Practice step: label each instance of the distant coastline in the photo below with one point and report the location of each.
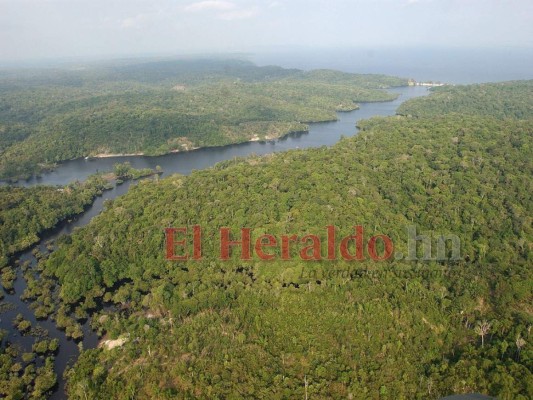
(412, 82)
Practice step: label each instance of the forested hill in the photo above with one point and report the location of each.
(26, 212)
(158, 107)
(395, 329)
(501, 100)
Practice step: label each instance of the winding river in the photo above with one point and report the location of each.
(320, 134)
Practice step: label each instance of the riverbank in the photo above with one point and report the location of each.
(319, 134)
(76, 197)
(254, 138)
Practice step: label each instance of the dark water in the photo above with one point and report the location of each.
(68, 350)
(327, 133)
(320, 134)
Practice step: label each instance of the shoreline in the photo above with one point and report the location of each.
(111, 155)
(254, 139)
(175, 151)
(91, 339)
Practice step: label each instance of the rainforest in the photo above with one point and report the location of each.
(271, 329)
(288, 245)
(160, 107)
(455, 164)
(266, 200)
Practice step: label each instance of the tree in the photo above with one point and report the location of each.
(520, 342)
(482, 328)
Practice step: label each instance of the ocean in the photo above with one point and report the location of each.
(448, 65)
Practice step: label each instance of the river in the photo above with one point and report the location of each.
(320, 134)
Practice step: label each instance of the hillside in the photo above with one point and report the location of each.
(164, 106)
(500, 100)
(330, 328)
(27, 212)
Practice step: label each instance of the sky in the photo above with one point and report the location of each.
(47, 29)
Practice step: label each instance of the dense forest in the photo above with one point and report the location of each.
(396, 329)
(500, 100)
(26, 212)
(159, 107)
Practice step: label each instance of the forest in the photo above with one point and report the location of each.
(153, 108)
(500, 100)
(395, 329)
(27, 212)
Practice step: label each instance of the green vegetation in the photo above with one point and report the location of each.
(124, 171)
(160, 107)
(46, 346)
(500, 100)
(27, 212)
(332, 329)
(7, 278)
(21, 324)
(27, 375)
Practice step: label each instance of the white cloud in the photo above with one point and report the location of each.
(130, 22)
(210, 5)
(238, 14)
(223, 10)
(413, 2)
(142, 20)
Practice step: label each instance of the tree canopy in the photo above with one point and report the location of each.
(334, 329)
(47, 116)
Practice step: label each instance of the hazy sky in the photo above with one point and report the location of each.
(34, 29)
